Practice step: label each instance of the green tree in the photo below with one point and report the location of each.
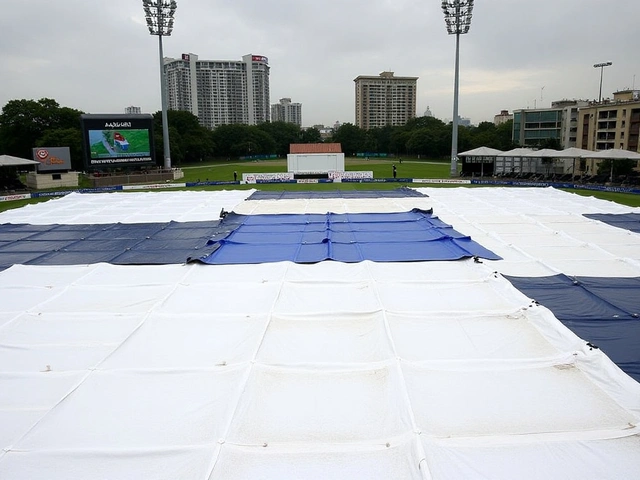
(224, 136)
(381, 139)
(24, 122)
(551, 143)
(283, 134)
(239, 140)
(504, 137)
(188, 140)
(620, 167)
(65, 137)
(311, 135)
(351, 137)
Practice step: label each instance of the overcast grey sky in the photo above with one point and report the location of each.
(97, 55)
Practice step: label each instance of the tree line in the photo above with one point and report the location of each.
(25, 124)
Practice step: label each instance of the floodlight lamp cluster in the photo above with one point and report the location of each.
(159, 15)
(457, 15)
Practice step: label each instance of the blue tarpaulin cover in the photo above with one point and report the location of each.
(302, 238)
(119, 243)
(602, 311)
(308, 238)
(628, 221)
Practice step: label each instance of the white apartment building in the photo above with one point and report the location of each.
(132, 110)
(288, 112)
(385, 100)
(219, 92)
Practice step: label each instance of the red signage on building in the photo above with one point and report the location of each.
(259, 58)
(185, 57)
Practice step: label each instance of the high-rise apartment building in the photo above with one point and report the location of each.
(219, 92)
(288, 112)
(385, 100)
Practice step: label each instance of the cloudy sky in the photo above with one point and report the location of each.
(97, 55)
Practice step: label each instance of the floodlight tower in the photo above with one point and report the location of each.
(601, 67)
(159, 15)
(457, 17)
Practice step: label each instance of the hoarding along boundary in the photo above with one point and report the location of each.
(441, 181)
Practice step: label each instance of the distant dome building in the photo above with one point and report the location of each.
(427, 112)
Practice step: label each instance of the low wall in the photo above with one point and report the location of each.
(47, 181)
(136, 178)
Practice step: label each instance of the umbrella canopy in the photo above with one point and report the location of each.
(613, 154)
(481, 152)
(543, 153)
(516, 152)
(10, 161)
(573, 152)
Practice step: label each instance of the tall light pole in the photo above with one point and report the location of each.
(457, 17)
(159, 15)
(601, 67)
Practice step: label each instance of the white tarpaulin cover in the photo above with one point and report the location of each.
(418, 370)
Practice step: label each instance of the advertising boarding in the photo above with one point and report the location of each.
(52, 159)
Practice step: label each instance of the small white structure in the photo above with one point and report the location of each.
(42, 181)
(315, 158)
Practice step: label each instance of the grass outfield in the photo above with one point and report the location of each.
(381, 168)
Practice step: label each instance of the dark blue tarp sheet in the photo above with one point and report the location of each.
(310, 238)
(628, 221)
(122, 244)
(284, 195)
(602, 311)
(392, 237)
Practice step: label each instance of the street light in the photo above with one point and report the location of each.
(457, 17)
(601, 67)
(159, 16)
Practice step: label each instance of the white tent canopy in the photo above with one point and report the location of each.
(516, 152)
(480, 152)
(11, 161)
(543, 153)
(572, 152)
(613, 154)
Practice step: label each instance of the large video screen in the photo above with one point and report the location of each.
(115, 141)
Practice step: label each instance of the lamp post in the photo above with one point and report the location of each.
(601, 67)
(159, 15)
(457, 17)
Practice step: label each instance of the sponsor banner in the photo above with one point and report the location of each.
(275, 181)
(259, 157)
(154, 186)
(62, 193)
(267, 177)
(334, 175)
(19, 196)
(372, 155)
(51, 194)
(576, 186)
(307, 180)
(204, 184)
(365, 180)
(442, 180)
(112, 188)
(52, 158)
